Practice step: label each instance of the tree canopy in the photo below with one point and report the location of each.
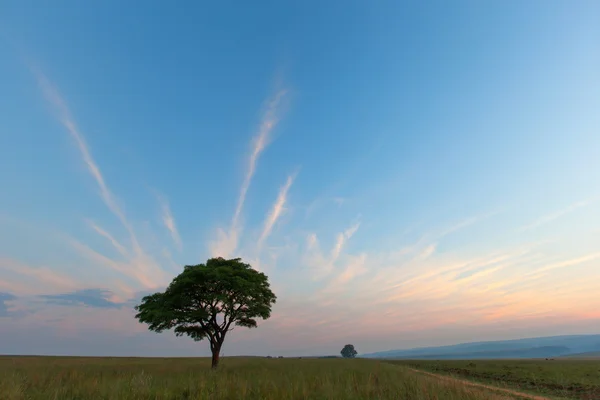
(348, 351)
(208, 300)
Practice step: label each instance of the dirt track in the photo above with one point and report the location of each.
(481, 385)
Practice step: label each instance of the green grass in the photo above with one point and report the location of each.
(70, 378)
(563, 378)
(591, 355)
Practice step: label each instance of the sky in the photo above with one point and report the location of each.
(406, 173)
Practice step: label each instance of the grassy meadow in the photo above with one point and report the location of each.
(72, 378)
(558, 378)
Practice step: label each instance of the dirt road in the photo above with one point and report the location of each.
(481, 385)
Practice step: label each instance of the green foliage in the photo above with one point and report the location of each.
(348, 351)
(208, 300)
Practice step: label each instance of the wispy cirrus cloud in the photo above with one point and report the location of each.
(342, 238)
(141, 265)
(64, 114)
(564, 264)
(416, 294)
(115, 243)
(323, 201)
(545, 219)
(260, 142)
(30, 280)
(277, 209)
(169, 222)
(412, 286)
(134, 267)
(227, 241)
(354, 267)
(320, 263)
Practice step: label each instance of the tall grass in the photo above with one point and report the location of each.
(57, 378)
(563, 378)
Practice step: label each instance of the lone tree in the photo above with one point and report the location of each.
(208, 300)
(348, 351)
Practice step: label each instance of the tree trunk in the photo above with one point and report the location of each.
(215, 356)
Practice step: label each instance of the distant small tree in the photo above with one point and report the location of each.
(207, 300)
(348, 351)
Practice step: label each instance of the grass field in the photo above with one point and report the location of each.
(561, 378)
(64, 378)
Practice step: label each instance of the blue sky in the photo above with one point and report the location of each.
(428, 170)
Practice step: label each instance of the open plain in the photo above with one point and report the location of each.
(83, 378)
(563, 378)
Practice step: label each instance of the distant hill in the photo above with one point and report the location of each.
(540, 347)
(592, 354)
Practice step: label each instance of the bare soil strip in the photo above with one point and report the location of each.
(481, 385)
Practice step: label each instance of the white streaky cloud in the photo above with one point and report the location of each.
(427, 244)
(399, 269)
(169, 222)
(337, 248)
(421, 279)
(260, 142)
(53, 96)
(118, 246)
(277, 210)
(354, 268)
(226, 243)
(140, 260)
(320, 264)
(341, 240)
(464, 224)
(480, 274)
(425, 289)
(312, 206)
(321, 201)
(311, 241)
(555, 215)
(92, 255)
(566, 263)
(426, 253)
(137, 265)
(46, 278)
(141, 269)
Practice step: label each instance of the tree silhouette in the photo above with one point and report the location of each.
(208, 300)
(348, 351)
